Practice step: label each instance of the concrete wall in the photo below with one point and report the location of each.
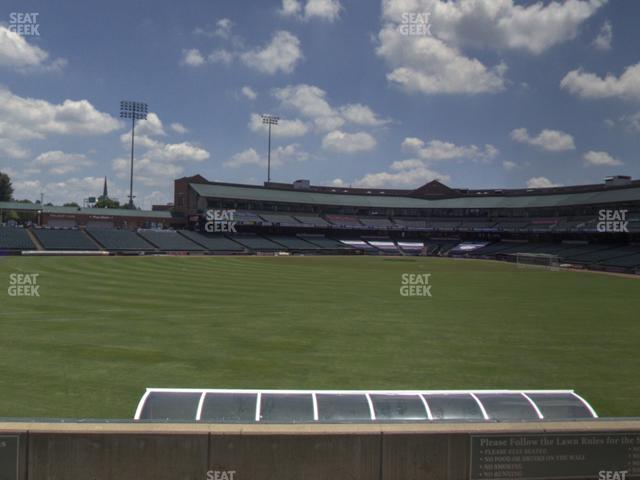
(134, 451)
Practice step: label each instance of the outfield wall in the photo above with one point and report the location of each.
(100, 451)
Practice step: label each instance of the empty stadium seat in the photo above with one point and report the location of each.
(64, 240)
(376, 222)
(120, 240)
(312, 220)
(256, 242)
(293, 243)
(324, 242)
(15, 238)
(343, 220)
(279, 219)
(169, 241)
(213, 243)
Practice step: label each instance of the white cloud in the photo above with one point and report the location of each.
(427, 65)
(151, 126)
(589, 85)
(541, 182)
(69, 190)
(244, 158)
(550, 140)
(409, 173)
(282, 54)
(23, 118)
(328, 10)
(159, 162)
(290, 8)
(11, 149)
(311, 102)
(600, 159)
(249, 92)
(436, 63)
(179, 128)
(499, 24)
(324, 9)
(509, 165)
(57, 162)
(223, 28)
(342, 142)
(361, 115)
(604, 38)
(630, 122)
(221, 56)
(18, 54)
(192, 57)
(285, 128)
(280, 156)
(436, 150)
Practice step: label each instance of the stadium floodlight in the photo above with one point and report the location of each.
(134, 111)
(269, 120)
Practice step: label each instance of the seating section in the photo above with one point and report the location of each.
(120, 240)
(14, 238)
(445, 225)
(407, 223)
(343, 220)
(606, 253)
(440, 246)
(630, 261)
(64, 240)
(279, 219)
(169, 241)
(247, 218)
(293, 243)
(213, 243)
(256, 242)
(324, 242)
(478, 225)
(312, 220)
(376, 222)
(386, 245)
(358, 244)
(409, 246)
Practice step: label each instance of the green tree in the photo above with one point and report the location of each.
(107, 203)
(6, 189)
(71, 204)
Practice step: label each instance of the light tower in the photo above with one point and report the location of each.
(134, 111)
(269, 120)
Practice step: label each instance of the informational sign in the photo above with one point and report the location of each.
(9, 447)
(614, 456)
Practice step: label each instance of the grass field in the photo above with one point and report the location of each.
(103, 329)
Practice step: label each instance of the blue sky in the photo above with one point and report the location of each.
(480, 93)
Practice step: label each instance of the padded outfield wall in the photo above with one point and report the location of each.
(452, 451)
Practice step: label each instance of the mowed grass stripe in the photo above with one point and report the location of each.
(106, 328)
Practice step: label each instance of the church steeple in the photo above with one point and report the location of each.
(105, 193)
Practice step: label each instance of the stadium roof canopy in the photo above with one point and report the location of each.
(110, 212)
(478, 199)
(357, 406)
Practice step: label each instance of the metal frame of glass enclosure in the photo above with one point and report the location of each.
(359, 406)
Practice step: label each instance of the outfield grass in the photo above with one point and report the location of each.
(103, 329)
